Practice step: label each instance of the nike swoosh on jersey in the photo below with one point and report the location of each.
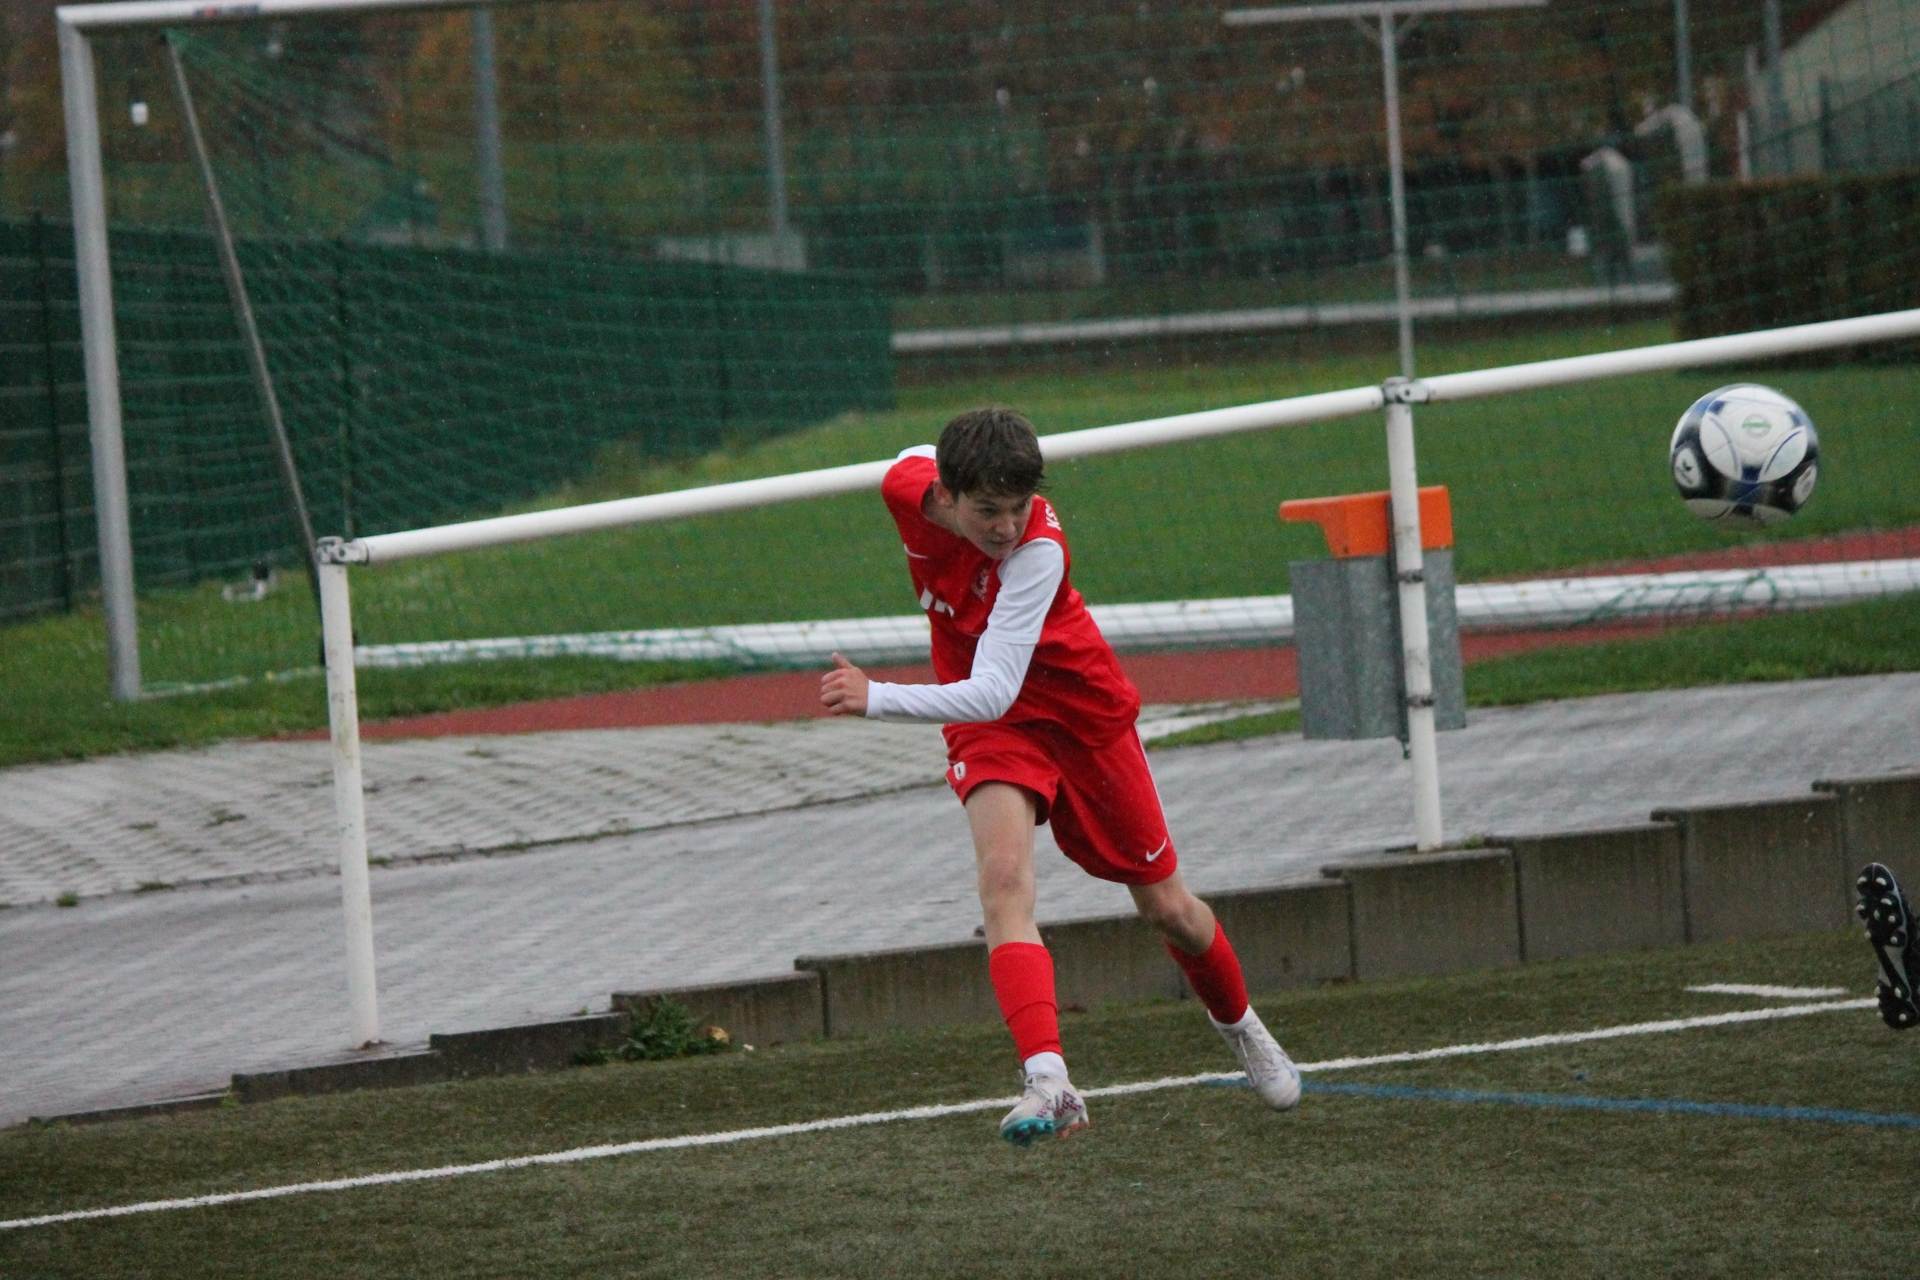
(1157, 852)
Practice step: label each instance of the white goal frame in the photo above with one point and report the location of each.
(1396, 397)
(86, 179)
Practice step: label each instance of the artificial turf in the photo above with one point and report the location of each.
(1183, 1182)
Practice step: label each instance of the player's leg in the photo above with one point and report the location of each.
(1001, 816)
(1107, 817)
(1895, 936)
(1198, 944)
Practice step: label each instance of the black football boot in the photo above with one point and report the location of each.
(1896, 944)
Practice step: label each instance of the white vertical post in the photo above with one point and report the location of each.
(1409, 562)
(770, 110)
(490, 166)
(100, 353)
(1397, 184)
(349, 802)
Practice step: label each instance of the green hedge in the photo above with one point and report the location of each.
(1758, 255)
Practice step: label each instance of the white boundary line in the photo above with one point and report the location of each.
(934, 1112)
(1766, 992)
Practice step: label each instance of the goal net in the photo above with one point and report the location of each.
(547, 252)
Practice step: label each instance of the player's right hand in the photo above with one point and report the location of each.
(843, 690)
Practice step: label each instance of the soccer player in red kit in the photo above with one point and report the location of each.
(1040, 727)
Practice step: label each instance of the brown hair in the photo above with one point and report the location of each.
(990, 451)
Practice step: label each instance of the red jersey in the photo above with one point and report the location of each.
(1074, 680)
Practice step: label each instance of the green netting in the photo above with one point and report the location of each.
(418, 386)
(955, 173)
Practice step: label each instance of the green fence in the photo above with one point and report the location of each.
(418, 386)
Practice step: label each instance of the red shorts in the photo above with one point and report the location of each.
(1102, 802)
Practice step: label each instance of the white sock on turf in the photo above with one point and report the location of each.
(1046, 1064)
(1247, 1019)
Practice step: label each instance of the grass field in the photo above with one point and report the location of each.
(1186, 1181)
(52, 721)
(1540, 482)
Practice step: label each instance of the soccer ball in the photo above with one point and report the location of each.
(1745, 457)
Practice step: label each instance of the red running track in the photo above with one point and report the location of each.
(1215, 676)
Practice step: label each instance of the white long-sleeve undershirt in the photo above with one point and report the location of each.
(1029, 580)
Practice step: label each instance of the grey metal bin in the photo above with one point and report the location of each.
(1346, 620)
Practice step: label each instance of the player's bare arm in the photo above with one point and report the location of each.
(843, 690)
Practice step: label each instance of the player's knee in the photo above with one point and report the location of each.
(1177, 914)
(1163, 914)
(1003, 878)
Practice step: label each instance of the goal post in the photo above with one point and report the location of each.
(80, 101)
(1397, 397)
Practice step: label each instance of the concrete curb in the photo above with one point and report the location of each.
(1586, 893)
(1762, 869)
(1759, 869)
(1880, 822)
(1425, 914)
(905, 989)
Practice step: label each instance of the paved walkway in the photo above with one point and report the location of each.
(141, 996)
(264, 810)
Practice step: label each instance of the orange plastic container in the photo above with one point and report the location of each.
(1361, 524)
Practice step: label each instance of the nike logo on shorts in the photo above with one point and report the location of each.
(1157, 852)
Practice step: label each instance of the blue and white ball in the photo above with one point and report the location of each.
(1745, 457)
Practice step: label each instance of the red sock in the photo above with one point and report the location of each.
(1215, 977)
(1022, 974)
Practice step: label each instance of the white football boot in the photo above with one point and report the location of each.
(1269, 1070)
(1050, 1108)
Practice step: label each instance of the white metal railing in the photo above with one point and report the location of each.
(1397, 396)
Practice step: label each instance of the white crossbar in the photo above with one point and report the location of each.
(1298, 410)
(1762, 345)
(708, 500)
(185, 13)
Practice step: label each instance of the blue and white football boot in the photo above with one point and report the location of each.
(1896, 944)
(1049, 1108)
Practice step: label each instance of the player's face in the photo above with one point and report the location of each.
(992, 522)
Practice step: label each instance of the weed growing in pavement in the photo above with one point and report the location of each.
(668, 1031)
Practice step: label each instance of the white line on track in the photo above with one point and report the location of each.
(934, 1112)
(1766, 992)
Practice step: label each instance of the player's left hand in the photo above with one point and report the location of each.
(843, 690)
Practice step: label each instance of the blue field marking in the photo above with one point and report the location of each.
(1587, 1102)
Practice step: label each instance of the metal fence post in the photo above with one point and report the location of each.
(489, 165)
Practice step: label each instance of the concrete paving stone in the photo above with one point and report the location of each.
(139, 996)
